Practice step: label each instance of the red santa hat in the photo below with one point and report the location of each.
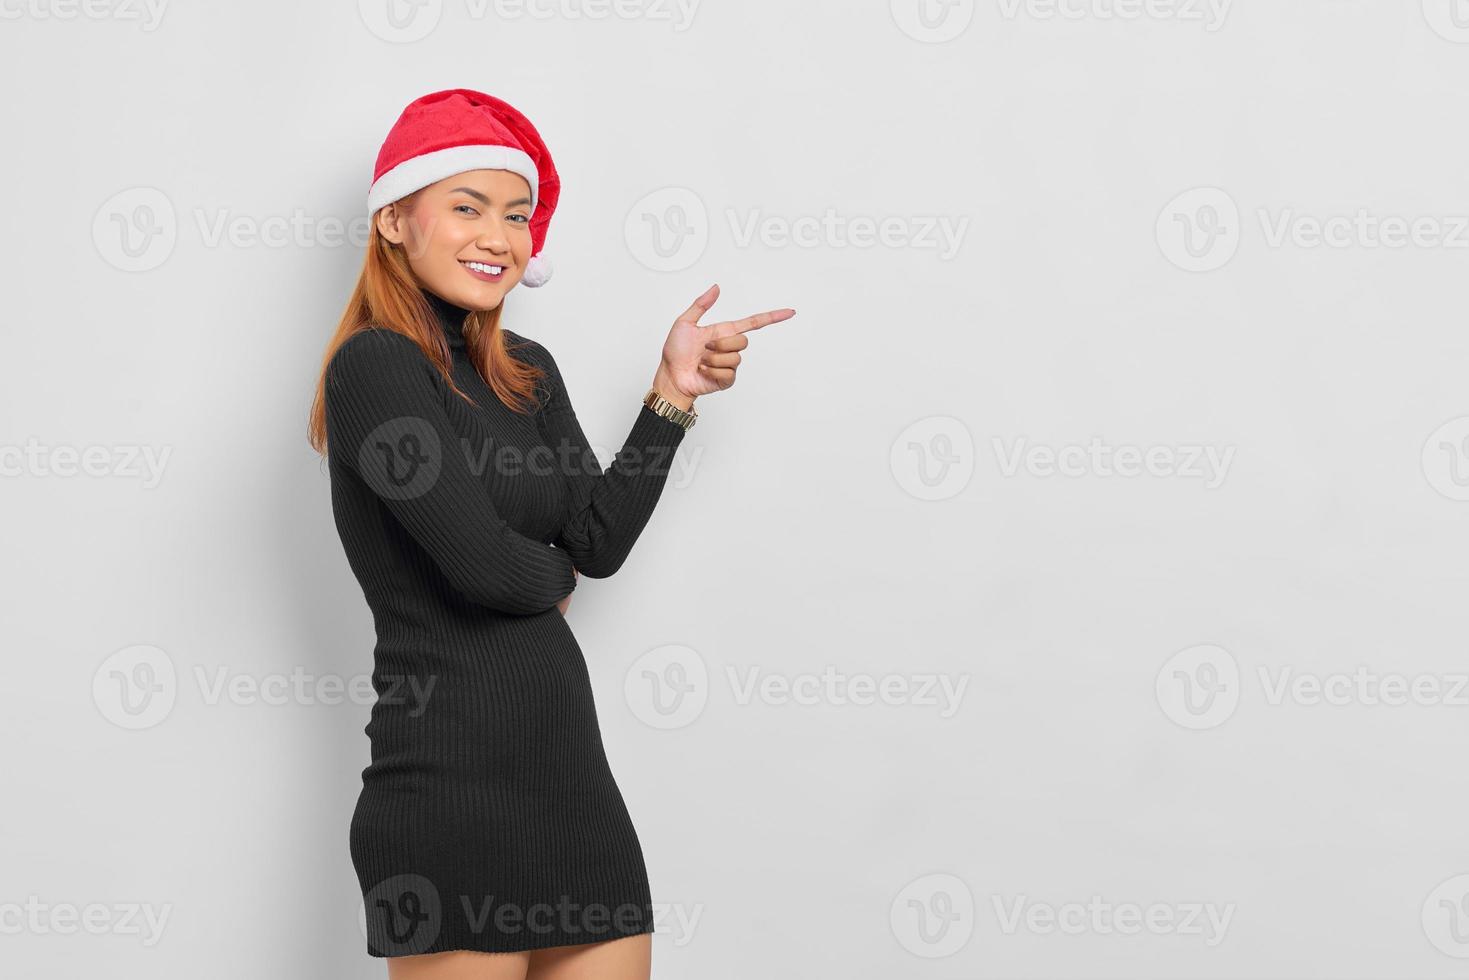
(449, 132)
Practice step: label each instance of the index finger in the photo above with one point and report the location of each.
(761, 319)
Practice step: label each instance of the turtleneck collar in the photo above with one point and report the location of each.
(450, 317)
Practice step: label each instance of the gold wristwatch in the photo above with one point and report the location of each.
(669, 410)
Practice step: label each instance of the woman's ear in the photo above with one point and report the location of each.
(390, 223)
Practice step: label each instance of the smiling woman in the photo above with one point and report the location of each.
(451, 225)
(490, 838)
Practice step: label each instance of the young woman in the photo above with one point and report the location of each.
(490, 839)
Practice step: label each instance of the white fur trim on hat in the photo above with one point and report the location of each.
(537, 271)
(429, 168)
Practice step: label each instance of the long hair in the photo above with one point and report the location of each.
(388, 295)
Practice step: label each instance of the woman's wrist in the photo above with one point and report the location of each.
(665, 387)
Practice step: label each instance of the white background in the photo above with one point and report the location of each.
(1134, 188)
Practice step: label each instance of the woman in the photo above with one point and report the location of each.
(490, 839)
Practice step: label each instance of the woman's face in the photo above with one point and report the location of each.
(480, 217)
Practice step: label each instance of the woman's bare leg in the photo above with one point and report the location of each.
(459, 964)
(628, 958)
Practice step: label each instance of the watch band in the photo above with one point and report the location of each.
(668, 410)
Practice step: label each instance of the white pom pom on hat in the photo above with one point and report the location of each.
(446, 133)
(537, 271)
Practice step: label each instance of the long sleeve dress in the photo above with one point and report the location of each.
(489, 818)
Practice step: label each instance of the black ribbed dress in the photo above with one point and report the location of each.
(488, 818)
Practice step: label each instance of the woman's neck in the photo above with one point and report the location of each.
(450, 317)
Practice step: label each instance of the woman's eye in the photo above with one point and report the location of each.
(520, 217)
(466, 207)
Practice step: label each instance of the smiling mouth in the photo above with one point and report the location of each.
(484, 270)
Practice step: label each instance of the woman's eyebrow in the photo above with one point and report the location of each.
(485, 200)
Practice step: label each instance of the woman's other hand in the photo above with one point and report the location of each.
(566, 602)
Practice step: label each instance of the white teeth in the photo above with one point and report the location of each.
(493, 270)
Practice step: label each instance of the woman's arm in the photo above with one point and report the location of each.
(387, 423)
(606, 509)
